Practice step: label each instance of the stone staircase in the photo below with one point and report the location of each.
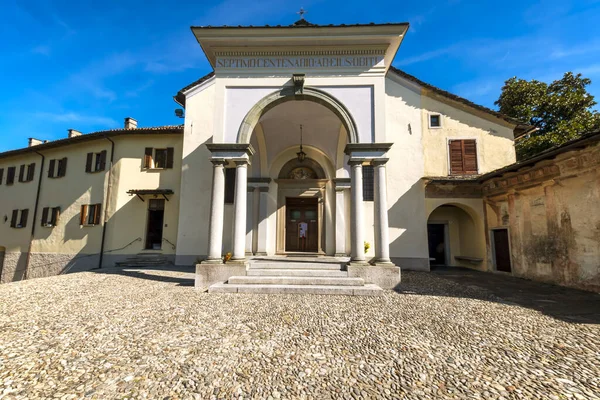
(289, 276)
(145, 260)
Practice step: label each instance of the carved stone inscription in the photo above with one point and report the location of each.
(299, 62)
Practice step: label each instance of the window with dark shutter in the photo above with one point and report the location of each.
(45, 211)
(30, 172)
(10, 175)
(463, 157)
(13, 219)
(62, 167)
(23, 221)
(51, 166)
(229, 185)
(170, 155)
(160, 158)
(88, 162)
(368, 173)
(54, 216)
(22, 173)
(102, 166)
(1, 175)
(148, 157)
(83, 215)
(97, 208)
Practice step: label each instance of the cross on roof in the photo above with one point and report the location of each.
(302, 12)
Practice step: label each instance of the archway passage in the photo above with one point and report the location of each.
(455, 237)
(288, 94)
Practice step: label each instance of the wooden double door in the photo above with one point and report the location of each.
(302, 225)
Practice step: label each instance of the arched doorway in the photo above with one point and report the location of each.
(455, 237)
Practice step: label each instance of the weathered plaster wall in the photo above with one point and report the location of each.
(552, 212)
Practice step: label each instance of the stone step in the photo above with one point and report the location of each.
(366, 290)
(295, 265)
(295, 280)
(297, 272)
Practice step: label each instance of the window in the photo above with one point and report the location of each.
(90, 214)
(1, 175)
(10, 176)
(19, 218)
(158, 158)
(368, 184)
(57, 168)
(95, 162)
(463, 157)
(229, 185)
(26, 172)
(50, 216)
(435, 120)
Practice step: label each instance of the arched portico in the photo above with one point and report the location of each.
(289, 94)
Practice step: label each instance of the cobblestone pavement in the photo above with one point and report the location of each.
(149, 334)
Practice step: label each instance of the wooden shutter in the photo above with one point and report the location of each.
(45, 215)
(55, 215)
(30, 172)
(148, 157)
(88, 162)
(102, 160)
(97, 209)
(24, 215)
(83, 214)
(1, 175)
(13, 219)
(170, 153)
(470, 156)
(21, 173)
(51, 169)
(456, 159)
(62, 167)
(10, 176)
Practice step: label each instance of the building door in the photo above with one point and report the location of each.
(436, 236)
(154, 228)
(501, 250)
(302, 225)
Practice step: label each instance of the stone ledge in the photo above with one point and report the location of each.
(209, 274)
(384, 276)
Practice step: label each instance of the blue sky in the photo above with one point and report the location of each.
(87, 65)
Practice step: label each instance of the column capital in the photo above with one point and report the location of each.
(263, 189)
(377, 162)
(251, 189)
(218, 161)
(354, 163)
(240, 163)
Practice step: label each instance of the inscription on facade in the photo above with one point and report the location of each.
(299, 62)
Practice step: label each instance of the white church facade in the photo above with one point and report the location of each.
(304, 140)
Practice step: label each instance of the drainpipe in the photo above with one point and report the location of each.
(107, 196)
(34, 222)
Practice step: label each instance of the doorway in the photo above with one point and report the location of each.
(302, 225)
(438, 243)
(501, 250)
(154, 227)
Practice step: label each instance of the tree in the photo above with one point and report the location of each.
(561, 110)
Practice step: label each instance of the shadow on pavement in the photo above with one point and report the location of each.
(182, 275)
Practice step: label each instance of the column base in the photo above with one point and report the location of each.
(241, 261)
(260, 253)
(212, 262)
(354, 263)
(340, 255)
(388, 263)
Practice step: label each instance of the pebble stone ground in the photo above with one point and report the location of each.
(149, 334)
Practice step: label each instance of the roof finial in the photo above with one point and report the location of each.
(302, 12)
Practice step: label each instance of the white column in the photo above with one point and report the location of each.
(340, 222)
(382, 234)
(262, 221)
(249, 219)
(217, 206)
(356, 214)
(239, 211)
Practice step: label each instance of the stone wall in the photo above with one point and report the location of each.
(44, 264)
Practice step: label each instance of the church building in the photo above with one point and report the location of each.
(304, 143)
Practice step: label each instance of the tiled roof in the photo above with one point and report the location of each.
(180, 97)
(155, 130)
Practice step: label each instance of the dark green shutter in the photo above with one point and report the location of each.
(13, 220)
(45, 215)
(170, 153)
(62, 167)
(102, 160)
(1, 175)
(51, 169)
(21, 173)
(24, 215)
(88, 162)
(30, 172)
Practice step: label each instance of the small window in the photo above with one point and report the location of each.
(10, 175)
(368, 183)
(26, 172)
(50, 216)
(435, 120)
(90, 214)
(19, 218)
(95, 162)
(57, 168)
(229, 185)
(158, 158)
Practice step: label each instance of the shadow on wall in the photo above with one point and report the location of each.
(565, 304)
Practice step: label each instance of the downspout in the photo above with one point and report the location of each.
(107, 196)
(34, 222)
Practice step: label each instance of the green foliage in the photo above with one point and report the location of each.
(561, 110)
